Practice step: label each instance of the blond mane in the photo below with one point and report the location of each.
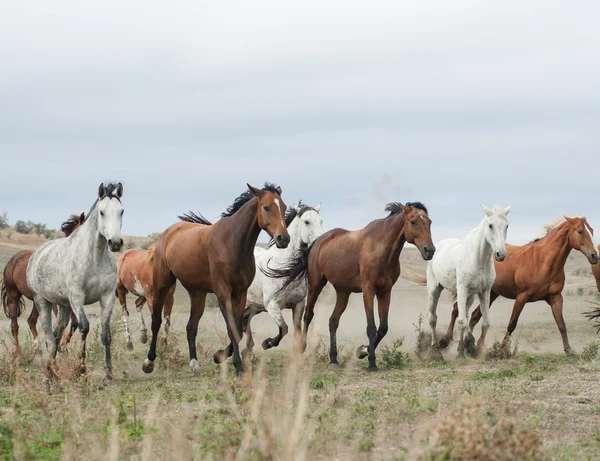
(152, 248)
(559, 222)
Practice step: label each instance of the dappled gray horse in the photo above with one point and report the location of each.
(79, 270)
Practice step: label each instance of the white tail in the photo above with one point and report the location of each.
(413, 276)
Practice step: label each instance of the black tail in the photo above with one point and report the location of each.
(4, 300)
(296, 269)
(594, 314)
(195, 218)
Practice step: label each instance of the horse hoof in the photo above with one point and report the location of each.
(109, 379)
(266, 344)
(362, 352)
(129, 346)
(443, 344)
(148, 366)
(333, 365)
(144, 337)
(195, 366)
(372, 368)
(220, 356)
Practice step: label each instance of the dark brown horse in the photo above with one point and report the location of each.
(536, 272)
(217, 259)
(14, 287)
(135, 269)
(366, 261)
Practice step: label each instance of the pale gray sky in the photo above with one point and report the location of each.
(352, 104)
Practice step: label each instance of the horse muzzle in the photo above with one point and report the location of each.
(282, 241)
(115, 245)
(593, 258)
(427, 252)
(500, 256)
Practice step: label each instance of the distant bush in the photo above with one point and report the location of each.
(30, 227)
(23, 227)
(3, 220)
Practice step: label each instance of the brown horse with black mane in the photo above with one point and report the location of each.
(365, 261)
(536, 272)
(14, 287)
(219, 259)
(135, 268)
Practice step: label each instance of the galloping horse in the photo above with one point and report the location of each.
(217, 259)
(466, 269)
(304, 226)
(536, 272)
(14, 287)
(78, 271)
(135, 269)
(365, 261)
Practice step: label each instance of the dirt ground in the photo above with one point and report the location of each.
(347, 413)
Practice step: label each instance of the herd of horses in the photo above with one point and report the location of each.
(66, 274)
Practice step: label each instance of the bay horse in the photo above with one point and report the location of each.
(304, 225)
(78, 271)
(135, 268)
(466, 269)
(217, 259)
(365, 261)
(536, 272)
(14, 287)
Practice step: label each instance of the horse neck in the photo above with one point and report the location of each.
(394, 235)
(295, 239)
(557, 246)
(95, 243)
(480, 248)
(246, 229)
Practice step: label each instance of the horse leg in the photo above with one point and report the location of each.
(76, 300)
(66, 339)
(556, 303)
(14, 299)
(363, 351)
(476, 315)
(249, 313)
(121, 293)
(341, 302)
(161, 289)
(314, 290)
(484, 308)
(383, 309)
(274, 310)
(45, 311)
(61, 324)
(232, 308)
(298, 311)
(169, 301)
(32, 322)
(514, 318)
(139, 304)
(464, 302)
(434, 290)
(447, 339)
(197, 303)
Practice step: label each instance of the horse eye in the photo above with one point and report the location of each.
(413, 222)
(580, 232)
(267, 208)
(307, 222)
(491, 227)
(102, 213)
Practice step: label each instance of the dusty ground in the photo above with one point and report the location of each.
(349, 414)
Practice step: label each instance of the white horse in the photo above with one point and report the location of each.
(79, 270)
(466, 268)
(304, 226)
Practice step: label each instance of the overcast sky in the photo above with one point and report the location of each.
(352, 104)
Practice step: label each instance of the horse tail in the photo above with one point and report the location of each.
(594, 315)
(8, 279)
(414, 276)
(295, 269)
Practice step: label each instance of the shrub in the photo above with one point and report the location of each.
(392, 356)
(590, 352)
(3, 220)
(23, 227)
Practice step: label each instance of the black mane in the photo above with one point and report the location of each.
(293, 212)
(195, 218)
(111, 192)
(396, 207)
(244, 198)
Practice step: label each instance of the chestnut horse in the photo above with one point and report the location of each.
(14, 287)
(217, 259)
(135, 276)
(536, 272)
(596, 272)
(365, 261)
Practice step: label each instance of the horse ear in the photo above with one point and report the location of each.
(405, 209)
(120, 190)
(507, 209)
(256, 192)
(81, 218)
(570, 220)
(486, 210)
(278, 190)
(318, 207)
(101, 191)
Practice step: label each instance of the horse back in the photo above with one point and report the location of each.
(15, 273)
